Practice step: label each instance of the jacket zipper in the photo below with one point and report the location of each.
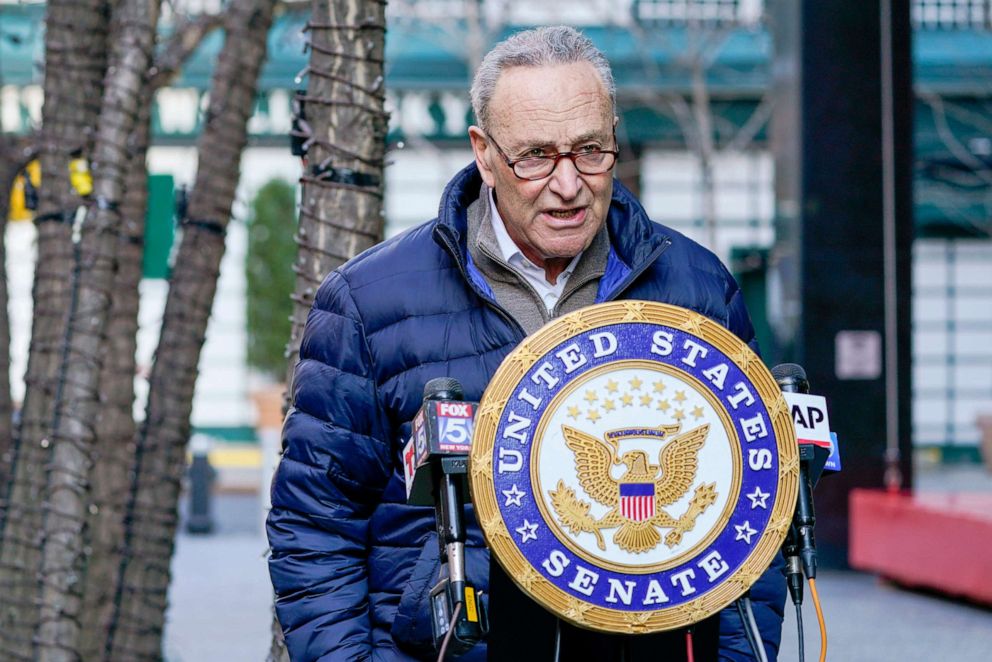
(632, 276)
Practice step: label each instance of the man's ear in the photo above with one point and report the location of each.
(482, 151)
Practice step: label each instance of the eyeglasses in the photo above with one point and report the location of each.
(588, 162)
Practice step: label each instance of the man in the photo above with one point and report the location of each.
(535, 228)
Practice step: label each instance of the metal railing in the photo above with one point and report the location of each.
(952, 14)
(709, 12)
(926, 14)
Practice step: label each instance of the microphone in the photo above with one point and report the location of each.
(800, 543)
(435, 464)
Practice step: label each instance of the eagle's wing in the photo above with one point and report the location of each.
(593, 459)
(679, 460)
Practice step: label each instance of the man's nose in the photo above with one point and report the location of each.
(565, 180)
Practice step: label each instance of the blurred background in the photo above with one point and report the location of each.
(838, 158)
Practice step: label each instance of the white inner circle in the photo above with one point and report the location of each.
(631, 398)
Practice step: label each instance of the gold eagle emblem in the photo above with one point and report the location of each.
(656, 487)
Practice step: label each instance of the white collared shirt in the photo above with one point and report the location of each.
(533, 274)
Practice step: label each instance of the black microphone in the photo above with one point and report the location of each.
(800, 542)
(435, 463)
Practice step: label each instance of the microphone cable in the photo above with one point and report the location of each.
(759, 647)
(747, 630)
(799, 627)
(819, 618)
(451, 630)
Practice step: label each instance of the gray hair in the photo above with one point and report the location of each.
(552, 45)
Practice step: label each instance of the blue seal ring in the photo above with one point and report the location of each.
(634, 467)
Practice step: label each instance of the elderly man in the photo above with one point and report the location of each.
(535, 228)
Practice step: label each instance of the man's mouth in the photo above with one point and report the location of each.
(565, 214)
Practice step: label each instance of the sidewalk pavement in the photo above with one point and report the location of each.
(220, 598)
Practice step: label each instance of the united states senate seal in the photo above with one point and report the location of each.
(634, 467)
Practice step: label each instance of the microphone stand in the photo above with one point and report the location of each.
(458, 617)
(800, 543)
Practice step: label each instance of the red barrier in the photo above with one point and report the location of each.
(938, 541)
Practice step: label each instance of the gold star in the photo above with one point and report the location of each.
(698, 615)
(627, 399)
(609, 405)
(678, 415)
(577, 610)
(659, 386)
(492, 526)
(634, 311)
(612, 386)
(663, 405)
(573, 412)
(483, 466)
(746, 579)
(697, 412)
(522, 358)
(680, 396)
(780, 525)
(576, 325)
(491, 408)
(591, 397)
(635, 384)
(779, 408)
(593, 415)
(743, 358)
(645, 400)
(636, 621)
(529, 577)
(789, 466)
(692, 325)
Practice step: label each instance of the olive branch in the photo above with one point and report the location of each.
(574, 514)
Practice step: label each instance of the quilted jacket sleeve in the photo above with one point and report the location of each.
(768, 593)
(334, 466)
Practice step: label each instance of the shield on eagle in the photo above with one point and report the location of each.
(637, 501)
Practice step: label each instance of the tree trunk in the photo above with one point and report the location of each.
(136, 632)
(75, 58)
(113, 450)
(67, 491)
(341, 210)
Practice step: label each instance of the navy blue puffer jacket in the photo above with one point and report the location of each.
(351, 563)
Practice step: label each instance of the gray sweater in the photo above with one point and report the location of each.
(512, 291)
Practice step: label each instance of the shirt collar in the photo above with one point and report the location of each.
(511, 252)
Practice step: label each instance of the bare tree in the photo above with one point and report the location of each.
(341, 209)
(75, 57)
(151, 510)
(88, 364)
(693, 111)
(77, 407)
(114, 448)
(113, 445)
